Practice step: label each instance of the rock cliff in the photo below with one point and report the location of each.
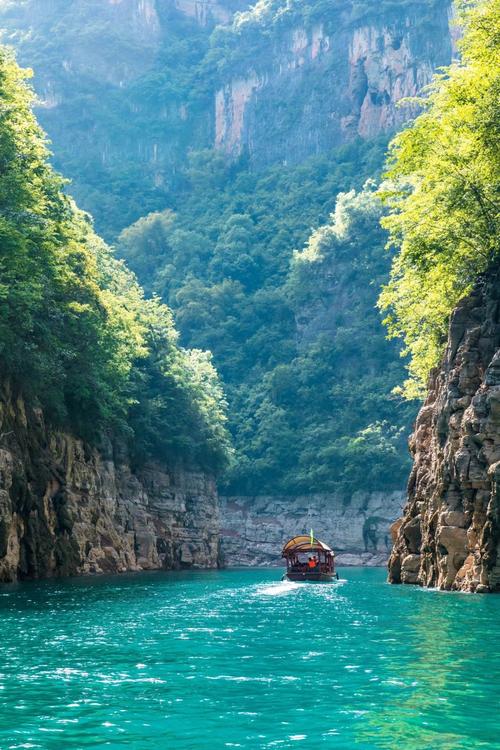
(315, 87)
(144, 82)
(254, 529)
(67, 508)
(449, 535)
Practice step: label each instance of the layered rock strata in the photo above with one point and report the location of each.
(449, 536)
(254, 529)
(68, 509)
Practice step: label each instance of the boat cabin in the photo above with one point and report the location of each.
(308, 559)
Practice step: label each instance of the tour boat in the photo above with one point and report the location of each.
(308, 559)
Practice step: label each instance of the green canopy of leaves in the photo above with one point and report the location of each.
(444, 195)
(297, 337)
(76, 333)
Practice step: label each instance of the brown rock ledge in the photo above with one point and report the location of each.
(69, 509)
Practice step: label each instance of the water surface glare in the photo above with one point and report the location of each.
(238, 659)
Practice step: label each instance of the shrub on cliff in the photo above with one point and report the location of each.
(444, 199)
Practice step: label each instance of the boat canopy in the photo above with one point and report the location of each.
(302, 543)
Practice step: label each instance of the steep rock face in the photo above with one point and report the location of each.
(126, 82)
(254, 529)
(449, 536)
(208, 13)
(68, 509)
(316, 88)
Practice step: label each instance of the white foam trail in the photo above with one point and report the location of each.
(277, 589)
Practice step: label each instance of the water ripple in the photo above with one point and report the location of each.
(242, 659)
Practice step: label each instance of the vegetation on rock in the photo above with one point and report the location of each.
(127, 89)
(76, 333)
(255, 30)
(444, 198)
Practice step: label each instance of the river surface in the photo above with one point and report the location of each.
(237, 659)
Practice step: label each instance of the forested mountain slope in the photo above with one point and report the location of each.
(76, 331)
(128, 87)
(302, 353)
(235, 143)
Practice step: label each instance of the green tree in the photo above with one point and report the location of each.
(76, 333)
(443, 195)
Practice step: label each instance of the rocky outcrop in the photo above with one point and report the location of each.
(320, 86)
(449, 536)
(67, 508)
(254, 529)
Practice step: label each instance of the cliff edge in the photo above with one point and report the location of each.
(67, 508)
(449, 536)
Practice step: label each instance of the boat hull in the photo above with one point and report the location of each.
(311, 577)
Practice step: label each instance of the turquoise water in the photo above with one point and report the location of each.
(237, 659)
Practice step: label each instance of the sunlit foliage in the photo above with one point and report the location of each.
(444, 194)
(76, 334)
(307, 412)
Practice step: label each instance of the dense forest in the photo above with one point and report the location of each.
(307, 413)
(77, 335)
(276, 270)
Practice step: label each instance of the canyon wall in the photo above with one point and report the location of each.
(449, 536)
(207, 13)
(254, 529)
(67, 508)
(128, 88)
(312, 88)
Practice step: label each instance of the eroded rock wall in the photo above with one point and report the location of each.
(207, 12)
(449, 535)
(117, 85)
(68, 509)
(318, 87)
(254, 529)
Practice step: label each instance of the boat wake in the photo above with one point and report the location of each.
(280, 588)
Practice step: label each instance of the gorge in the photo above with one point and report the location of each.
(232, 157)
(249, 290)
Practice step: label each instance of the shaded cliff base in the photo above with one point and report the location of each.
(449, 536)
(68, 509)
(254, 529)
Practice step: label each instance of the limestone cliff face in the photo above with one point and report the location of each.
(68, 509)
(316, 88)
(254, 529)
(449, 535)
(117, 84)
